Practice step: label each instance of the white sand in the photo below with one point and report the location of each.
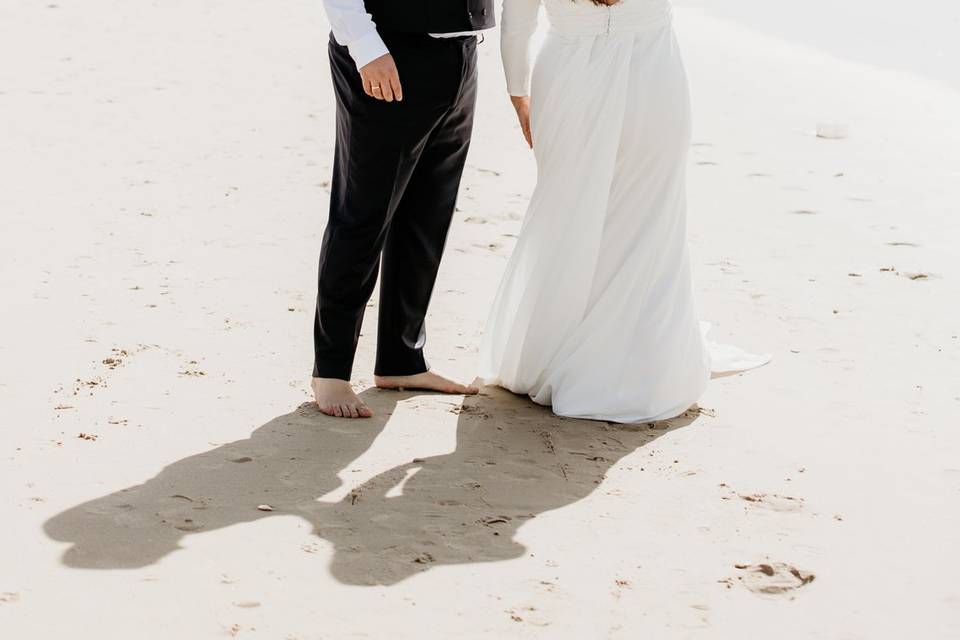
(163, 194)
(919, 36)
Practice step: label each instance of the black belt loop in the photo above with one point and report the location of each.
(482, 38)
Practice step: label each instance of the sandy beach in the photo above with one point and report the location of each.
(165, 173)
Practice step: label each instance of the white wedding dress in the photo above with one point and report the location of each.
(595, 314)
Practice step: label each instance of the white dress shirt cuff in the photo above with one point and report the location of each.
(367, 49)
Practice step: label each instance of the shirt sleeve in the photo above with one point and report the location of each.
(517, 26)
(354, 28)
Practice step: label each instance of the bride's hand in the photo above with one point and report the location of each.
(522, 106)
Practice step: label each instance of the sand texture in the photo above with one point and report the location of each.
(165, 171)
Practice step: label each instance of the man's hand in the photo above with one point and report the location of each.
(381, 80)
(522, 106)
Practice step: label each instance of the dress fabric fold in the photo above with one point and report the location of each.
(595, 314)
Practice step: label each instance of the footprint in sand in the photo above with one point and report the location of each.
(116, 359)
(910, 275)
(773, 501)
(770, 578)
(768, 501)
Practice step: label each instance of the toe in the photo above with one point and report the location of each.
(364, 411)
(353, 411)
(325, 409)
(338, 411)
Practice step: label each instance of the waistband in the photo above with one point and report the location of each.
(420, 40)
(618, 18)
(426, 38)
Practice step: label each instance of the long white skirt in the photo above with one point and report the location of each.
(595, 314)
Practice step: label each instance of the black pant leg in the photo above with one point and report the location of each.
(378, 145)
(418, 230)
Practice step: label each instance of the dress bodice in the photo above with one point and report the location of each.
(568, 18)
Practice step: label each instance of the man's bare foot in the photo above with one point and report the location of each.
(427, 380)
(336, 398)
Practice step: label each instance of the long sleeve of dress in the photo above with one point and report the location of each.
(517, 26)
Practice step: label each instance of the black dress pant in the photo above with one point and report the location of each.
(397, 169)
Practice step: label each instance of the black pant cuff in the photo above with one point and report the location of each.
(401, 367)
(330, 369)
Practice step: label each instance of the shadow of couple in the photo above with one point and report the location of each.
(513, 461)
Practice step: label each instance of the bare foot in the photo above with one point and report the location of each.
(336, 398)
(427, 380)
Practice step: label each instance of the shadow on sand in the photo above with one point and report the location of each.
(513, 461)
